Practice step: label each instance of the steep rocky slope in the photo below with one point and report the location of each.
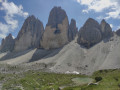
(73, 30)
(7, 44)
(29, 35)
(90, 33)
(118, 32)
(56, 30)
(94, 48)
(72, 57)
(106, 29)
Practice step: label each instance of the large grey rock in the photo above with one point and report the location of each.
(106, 29)
(57, 15)
(29, 35)
(118, 32)
(73, 30)
(90, 33)
(56, 31)
(7, 44)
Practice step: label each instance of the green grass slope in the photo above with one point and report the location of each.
(34, 80)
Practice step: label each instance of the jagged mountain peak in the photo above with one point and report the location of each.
(90, 33)
(57, 15)
(7, 43)
(30, 34)
(73, 30)
(106, 29)
(56, 30)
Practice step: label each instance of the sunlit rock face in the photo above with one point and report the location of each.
(29, 35)
(56, 31)
(90, 33)
(7, 44)
(106, 29)
(73, 30)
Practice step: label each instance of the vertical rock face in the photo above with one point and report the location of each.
(29, 35)
(118, 32)
(90, 33)
(56, 31)
(106, 29)
(73, 30)
(7, 44)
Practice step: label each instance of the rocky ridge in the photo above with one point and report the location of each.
(101, 47)
(58, 32)
(29, 35)
(106, 29)
(7, 44)
(92, 32)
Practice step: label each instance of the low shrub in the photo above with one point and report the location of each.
(98, 79)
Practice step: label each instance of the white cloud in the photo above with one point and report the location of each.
(100, 17)
(114, 14)
(2, 35)
(111, 25)
(97, 5)
(12, 22)
(113, 7)
(118, 27)
(3, 28)
(85, 11)
(13, 37)
(11, 10)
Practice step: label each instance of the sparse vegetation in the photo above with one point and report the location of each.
(35, 80)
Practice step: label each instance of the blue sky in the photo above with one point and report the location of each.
(14, 12)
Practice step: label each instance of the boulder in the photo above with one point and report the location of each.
(73, 30)
(29, 35)
(106, 29)
(7, 44)
(90, 33)
(56, 31)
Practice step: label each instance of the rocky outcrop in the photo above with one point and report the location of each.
(90, 33)
(118, 32)
(29, 35)
(7, 44)
(73, 30)
(106, 29)
(56, 31)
